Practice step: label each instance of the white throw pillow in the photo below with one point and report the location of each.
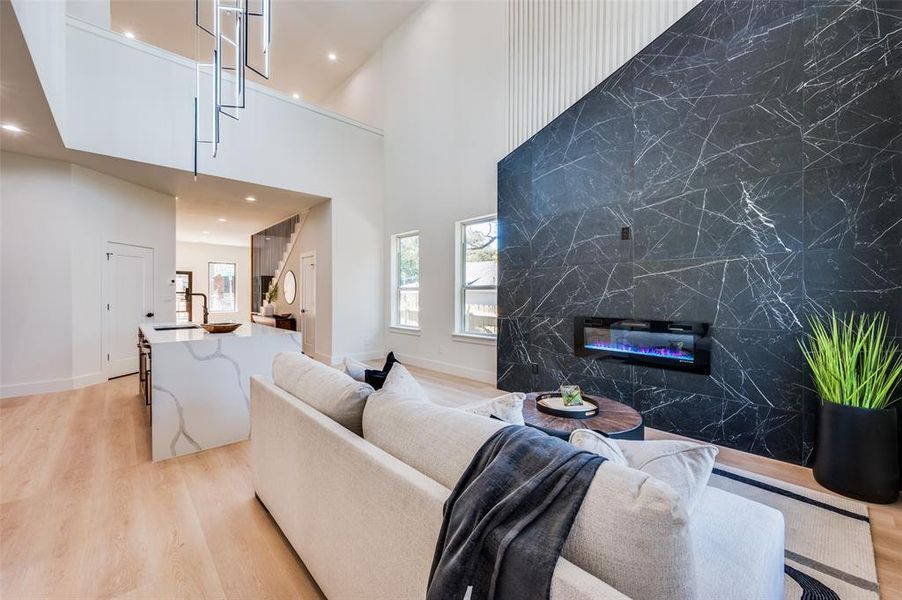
(508, 408)
(587, 439)
(400, 381)
(354, 369)
(684, 466)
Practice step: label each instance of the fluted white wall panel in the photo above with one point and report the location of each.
(561, 49)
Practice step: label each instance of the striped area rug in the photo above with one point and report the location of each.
(829, 553)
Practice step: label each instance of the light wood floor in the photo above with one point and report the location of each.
(84, 513)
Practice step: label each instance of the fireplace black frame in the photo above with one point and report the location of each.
(700, 332)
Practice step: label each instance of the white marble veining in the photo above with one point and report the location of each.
(201, 383)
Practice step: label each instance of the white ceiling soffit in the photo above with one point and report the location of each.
(200, 204)
(304, 34)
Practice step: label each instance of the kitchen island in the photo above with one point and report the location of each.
(198, 383)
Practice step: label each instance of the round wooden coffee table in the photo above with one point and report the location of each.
(614, 419)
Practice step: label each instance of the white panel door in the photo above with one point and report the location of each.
(308, 302)
(128, 302)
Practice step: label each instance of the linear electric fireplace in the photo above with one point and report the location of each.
(677, 345)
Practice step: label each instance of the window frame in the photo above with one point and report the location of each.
(210, 286)
(395, 301)
(460, 295)
(188, 303)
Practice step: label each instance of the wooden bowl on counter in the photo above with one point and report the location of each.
(221, 327)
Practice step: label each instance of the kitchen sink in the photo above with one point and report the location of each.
(169, 327)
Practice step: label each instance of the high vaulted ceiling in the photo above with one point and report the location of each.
(304, 33)
(200, 203)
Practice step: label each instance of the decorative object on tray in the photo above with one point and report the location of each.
(228, 327)
(856, 369)
(571, 395)
(611, 418)
(554, 403)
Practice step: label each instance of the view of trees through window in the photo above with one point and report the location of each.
(408, 281)
(182, 304)
(222, 287)
(480, 277)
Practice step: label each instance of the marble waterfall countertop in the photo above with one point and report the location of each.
(167, 336)
(200, 383)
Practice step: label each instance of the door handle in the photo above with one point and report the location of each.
(303, 311)
(149, 315)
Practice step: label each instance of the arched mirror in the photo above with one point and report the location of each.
(290, 287)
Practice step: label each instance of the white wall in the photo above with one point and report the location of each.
(56, 220)
(316, 237)
(195, 257)
(445, 87)
(43, 26)
(96, 12)
(35, 272)
(362, 96)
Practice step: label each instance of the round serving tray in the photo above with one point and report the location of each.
(589, 407)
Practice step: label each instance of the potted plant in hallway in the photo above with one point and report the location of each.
(268, 308)
(856, 371)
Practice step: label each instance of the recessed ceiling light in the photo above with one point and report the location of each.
(130, 35)
(222, 219)
(296, 96)
(205, 232)
(251, 199)
(11, 127)
(333, 57)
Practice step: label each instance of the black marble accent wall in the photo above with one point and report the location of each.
(755, 150)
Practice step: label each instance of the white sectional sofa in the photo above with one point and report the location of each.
(363, 512)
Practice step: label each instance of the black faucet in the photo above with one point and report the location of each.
(189, 293)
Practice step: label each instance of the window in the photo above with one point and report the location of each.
(182, 305)
(222, 287)
(406, 280)
(477, 275)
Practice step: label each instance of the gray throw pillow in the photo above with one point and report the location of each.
(328, 390)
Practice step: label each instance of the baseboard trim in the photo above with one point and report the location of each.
(50, 386)
(361, 356)
(448, 368)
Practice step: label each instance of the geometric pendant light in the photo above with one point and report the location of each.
(220, 85)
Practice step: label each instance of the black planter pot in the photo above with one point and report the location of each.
(857, 452)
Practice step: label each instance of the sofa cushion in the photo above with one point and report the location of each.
(328, 390)
(685, 466)
(631, 531)
(508, 408)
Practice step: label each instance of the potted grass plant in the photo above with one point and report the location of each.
(856, 370)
